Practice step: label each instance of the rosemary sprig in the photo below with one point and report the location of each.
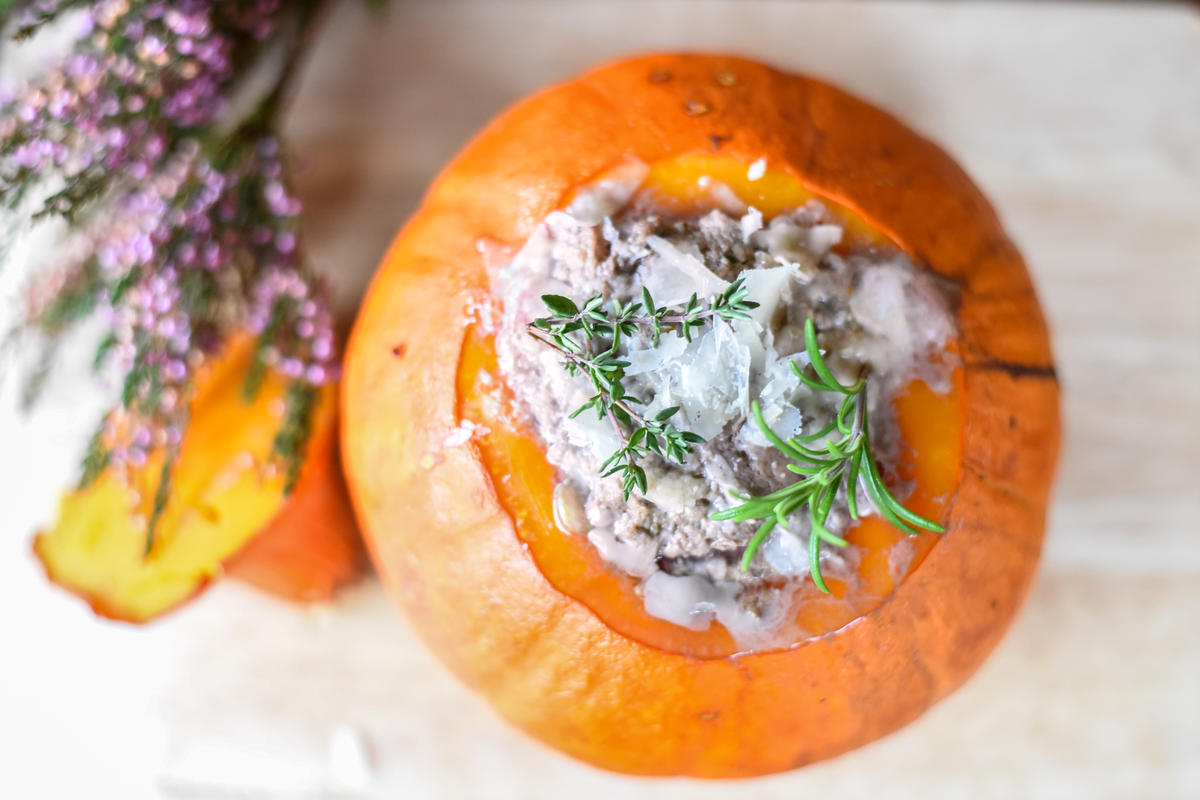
(589, 339)
(843, 459)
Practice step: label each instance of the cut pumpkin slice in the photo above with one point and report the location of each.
(227, 512)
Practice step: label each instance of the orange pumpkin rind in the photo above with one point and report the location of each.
(448, 549)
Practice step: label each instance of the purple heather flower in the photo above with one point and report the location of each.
(174, 237)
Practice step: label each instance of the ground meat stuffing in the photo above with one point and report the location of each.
(872, 307)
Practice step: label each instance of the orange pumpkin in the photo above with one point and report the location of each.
(463, 535)
(226, 515)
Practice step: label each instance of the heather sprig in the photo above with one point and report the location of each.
(183, 226)
(842, 459)
(142, 75)
(589, 339)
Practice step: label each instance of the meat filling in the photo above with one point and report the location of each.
(875, 311)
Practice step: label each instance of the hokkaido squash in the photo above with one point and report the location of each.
(461, 531)
(227, 513)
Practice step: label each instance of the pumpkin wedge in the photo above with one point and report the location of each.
(462, 531)
(227, 512)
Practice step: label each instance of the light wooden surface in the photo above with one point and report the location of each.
(1081, 121)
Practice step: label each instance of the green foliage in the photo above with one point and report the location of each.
(74, 302)
(257, 370)
(162, 496)
(292, 439)
(95, 459)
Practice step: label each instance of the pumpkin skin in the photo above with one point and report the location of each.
(312, 547)
(449, 551)
(223, 517)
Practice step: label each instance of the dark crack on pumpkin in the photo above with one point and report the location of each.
(1016, 370)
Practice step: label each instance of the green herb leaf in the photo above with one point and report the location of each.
(823, 472)
(666, 414)
(562, 306)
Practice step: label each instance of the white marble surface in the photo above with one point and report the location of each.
(1081, 121)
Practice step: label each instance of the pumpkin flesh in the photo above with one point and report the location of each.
(223, 494)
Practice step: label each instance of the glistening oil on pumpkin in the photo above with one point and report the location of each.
(879, 556)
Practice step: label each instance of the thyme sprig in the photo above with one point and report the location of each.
(842, 459)
(596, 318)
(589, 339)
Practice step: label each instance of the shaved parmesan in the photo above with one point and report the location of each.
(786, 553)
(822, 239)
(605, 197)
(770, 288)
(709, 381)
(751, 223)
(674, 275)
(694, 601)
(636, 559)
